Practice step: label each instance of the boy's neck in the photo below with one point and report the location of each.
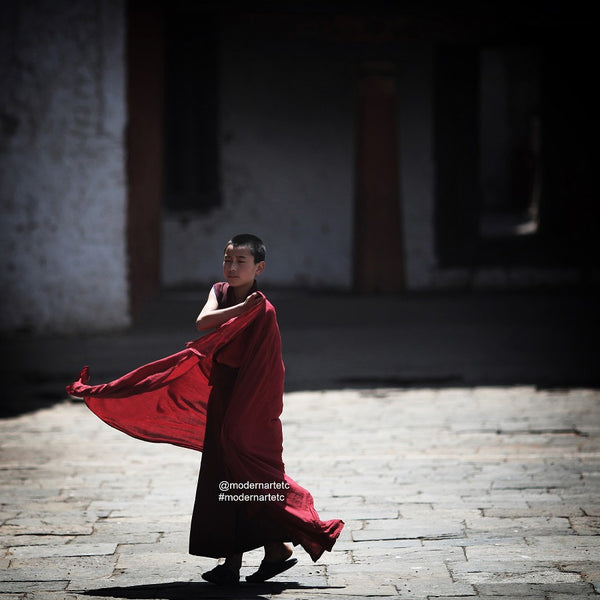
(241, 293)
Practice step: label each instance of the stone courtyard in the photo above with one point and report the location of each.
(489, 492)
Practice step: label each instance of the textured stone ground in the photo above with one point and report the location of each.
(484, 492)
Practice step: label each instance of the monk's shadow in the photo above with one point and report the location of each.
(194, 590)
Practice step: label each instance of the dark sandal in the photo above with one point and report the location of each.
(268, 569)
(221, 575)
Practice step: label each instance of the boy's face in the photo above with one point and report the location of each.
(239, 267)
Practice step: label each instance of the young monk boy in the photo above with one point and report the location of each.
(223, 395)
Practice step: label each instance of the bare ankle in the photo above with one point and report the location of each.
(277, 551)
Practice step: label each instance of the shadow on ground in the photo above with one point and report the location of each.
(193, 590)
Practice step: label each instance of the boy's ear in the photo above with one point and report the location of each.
(260, 267)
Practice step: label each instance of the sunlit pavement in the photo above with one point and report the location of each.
(456, 478)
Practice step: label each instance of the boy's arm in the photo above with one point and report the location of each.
(211, 316)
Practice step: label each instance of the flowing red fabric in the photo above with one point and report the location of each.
(167, 401)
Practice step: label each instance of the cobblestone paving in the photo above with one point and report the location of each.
(448, 493)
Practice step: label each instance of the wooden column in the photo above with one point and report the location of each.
(144, 148)
(378, 260)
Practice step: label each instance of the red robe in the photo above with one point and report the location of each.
(223, 396)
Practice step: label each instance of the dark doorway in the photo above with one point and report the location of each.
(515, 126)
(456, 102)
(510, 155)
(191, 115)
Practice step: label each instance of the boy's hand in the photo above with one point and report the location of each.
(251, 301)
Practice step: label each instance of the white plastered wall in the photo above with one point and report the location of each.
(287, 152)
(62, 190)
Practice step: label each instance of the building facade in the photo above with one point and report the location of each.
(391, 149)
